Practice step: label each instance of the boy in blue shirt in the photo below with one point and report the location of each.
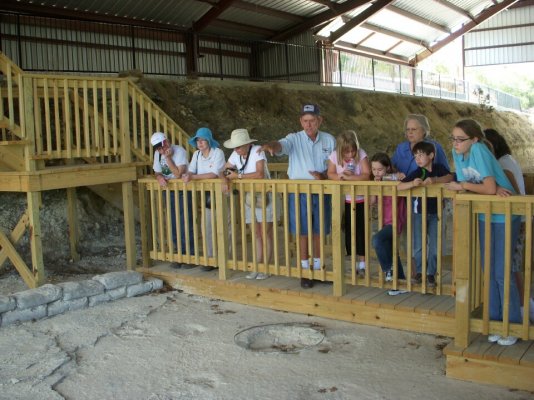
(427, 173)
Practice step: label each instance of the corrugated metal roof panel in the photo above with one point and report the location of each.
(432, 11)
(255, 19)
(303, 8)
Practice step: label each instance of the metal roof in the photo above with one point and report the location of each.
(403, 31)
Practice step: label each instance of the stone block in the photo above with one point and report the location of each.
(36, 297)
(26, 314)
(113, 280)
(157, 284)
(140, 288)
(77, 290)
(117, 293)
(60, 306)
(99, 298)
(7, 303)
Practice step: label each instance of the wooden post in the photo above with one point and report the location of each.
(34, 200)
(337, 241)
(127, 191)
(144, 214)
(129, 224)
(221, 210)
(462, 265)
(72, 218)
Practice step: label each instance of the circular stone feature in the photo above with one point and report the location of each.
(284, 338)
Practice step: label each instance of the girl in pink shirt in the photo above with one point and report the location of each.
(349, 163)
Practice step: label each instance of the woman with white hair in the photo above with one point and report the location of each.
(246, 162)
(416, 129)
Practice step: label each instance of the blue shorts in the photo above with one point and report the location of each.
(316, 223)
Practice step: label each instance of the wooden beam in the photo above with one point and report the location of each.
(211, 15)
(129, 225)
(318, 19)
(17, 261)
(74, 225)
(417, 18)
(15, 236)
(483, 16)
(359, 19)
(36, 245)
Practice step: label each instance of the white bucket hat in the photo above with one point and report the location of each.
(239, 137)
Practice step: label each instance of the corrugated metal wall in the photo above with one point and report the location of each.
(506, 38)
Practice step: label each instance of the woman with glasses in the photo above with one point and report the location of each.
(478, 171)
(416, 129)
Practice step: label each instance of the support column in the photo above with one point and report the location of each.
(74, 225)
(34, 201)
(129, 224)
(338, 206)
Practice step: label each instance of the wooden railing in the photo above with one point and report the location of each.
(232, 235)
(234, 244)
(73, 117)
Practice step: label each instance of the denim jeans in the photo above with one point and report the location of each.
(383, 244)
(431, 243)
(496, 285)
(182, 219)
(316, 222)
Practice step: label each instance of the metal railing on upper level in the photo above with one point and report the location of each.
(86, 47)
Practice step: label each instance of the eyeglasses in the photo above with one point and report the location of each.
(458, 139)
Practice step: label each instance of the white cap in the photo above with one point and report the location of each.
(157, 138)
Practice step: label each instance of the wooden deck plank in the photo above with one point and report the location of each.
(513, 354)
(493, 352)
(430, 304)
(477, 348)
(443, 307)
(527, 359)
(384, 300)
(413, 300)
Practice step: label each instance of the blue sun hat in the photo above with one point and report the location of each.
(205, 134)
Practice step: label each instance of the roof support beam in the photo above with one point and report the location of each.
(242, 27)
(394, 34)
(267, 11)
(419, 19)
(455, 8)
(483, 16)
(359, 19)
(366, 52)
(318, 19)
(211, 15)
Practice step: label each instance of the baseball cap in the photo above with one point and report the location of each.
(310, 109)
(157, 140)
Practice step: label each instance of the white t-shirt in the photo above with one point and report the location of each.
(214, 162)
(179, 157)
(253, 157)
(509, 163)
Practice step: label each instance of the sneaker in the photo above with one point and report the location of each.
(431, 281)
(494, 338)
(306, 283)
(418, 278)
(361, 265)
(252, 275)
(507, 341)
(261, 276)
(389, 276)
(396, 292)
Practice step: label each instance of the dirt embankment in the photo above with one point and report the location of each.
(270, 111)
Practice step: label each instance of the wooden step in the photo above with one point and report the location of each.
(112, 193)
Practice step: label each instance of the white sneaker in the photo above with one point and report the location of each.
(507, 341)
(389, 276)
(396, 292)
(361, 265)
(262, 276)
(494, 338)
(252, 275)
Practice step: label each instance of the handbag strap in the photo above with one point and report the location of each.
(242, 169)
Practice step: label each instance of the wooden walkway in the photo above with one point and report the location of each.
(424, 313)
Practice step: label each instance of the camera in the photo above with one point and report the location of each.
(228, 171)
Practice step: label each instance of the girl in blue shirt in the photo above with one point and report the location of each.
(478, 171)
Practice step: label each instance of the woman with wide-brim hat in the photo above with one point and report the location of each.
(246, 162)
(207, 162)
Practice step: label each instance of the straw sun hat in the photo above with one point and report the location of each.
(239, 137)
